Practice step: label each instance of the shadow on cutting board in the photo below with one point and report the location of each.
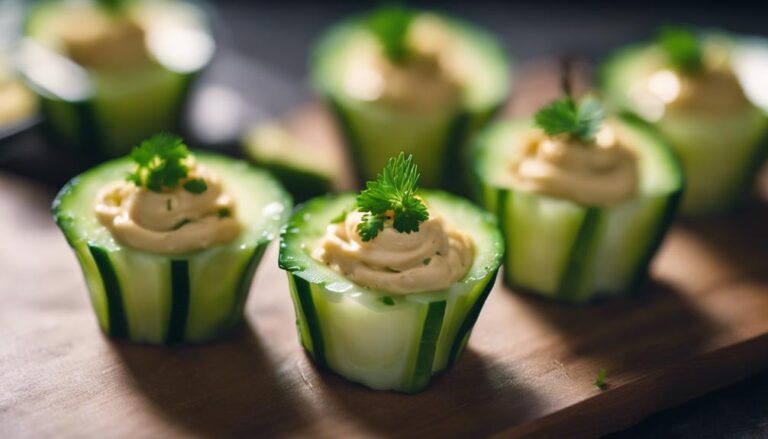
(657, 325)
(738, 239)
(456, 399)
(229, 388)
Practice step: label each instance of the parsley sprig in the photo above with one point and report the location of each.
(682, 48)
(392, 196)
(160, 164)
(390, 25)
(564, 116)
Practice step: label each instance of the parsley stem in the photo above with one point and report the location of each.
(566, 76)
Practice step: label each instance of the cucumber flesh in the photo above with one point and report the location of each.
(370, 337)
(437, 139)
(154, 298)
(720, 154)
(571, 252)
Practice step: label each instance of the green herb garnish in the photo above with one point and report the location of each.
(390, 25)
(168, 204)
(113, 6)
(580, 122)
(340, 218)
(386, 300)
(161, 165)
(682, 47)
(392, 196)
(181, 224)
(195, 186)
(224, 213)
(600, 380)
(426, 261)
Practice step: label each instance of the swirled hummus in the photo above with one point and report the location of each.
(430, 259)
(96, 38)
(173, 222)
(603, 173)
(715, 90)
(429, 79)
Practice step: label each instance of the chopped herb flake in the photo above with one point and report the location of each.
(600, 380)
(181, 224)
(196, 186)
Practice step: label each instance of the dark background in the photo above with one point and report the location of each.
(274, 39)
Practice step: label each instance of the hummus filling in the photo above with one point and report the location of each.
(98, 39)
(430, 259)
(429, 79)
(714, 91)
(173, 222)
(603, 173)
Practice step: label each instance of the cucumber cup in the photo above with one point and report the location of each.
(721, 148)
(100, 97)
(436, 135)
(566, 250)
(156, 298)
(383, 340)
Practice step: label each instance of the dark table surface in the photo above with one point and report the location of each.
(277, 38)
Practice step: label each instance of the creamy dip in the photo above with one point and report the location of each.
(713, 91)
(603, 173)
(430, 259)
(173, 222)
(430, 78)
(98, 39)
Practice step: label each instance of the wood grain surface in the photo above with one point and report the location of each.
(701, 323)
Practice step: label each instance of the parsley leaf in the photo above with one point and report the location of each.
(682, 47)
(563, 116)
(600, 380)
(160, 163)
(370, 226)
(392, 196)
(390, 25)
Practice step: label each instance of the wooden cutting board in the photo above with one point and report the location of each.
(529, 370)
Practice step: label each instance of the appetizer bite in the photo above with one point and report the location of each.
(168, 240)
(583, 200)
(700, 91)
(110, 73)
(388, 284)
(301, 168)
(397, 77)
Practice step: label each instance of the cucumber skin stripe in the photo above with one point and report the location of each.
(246, 278)
(118, 324)
(578, 262)
(304, 293)
(433, 323)
(470, 320)
(503, 200)
(179, 301)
